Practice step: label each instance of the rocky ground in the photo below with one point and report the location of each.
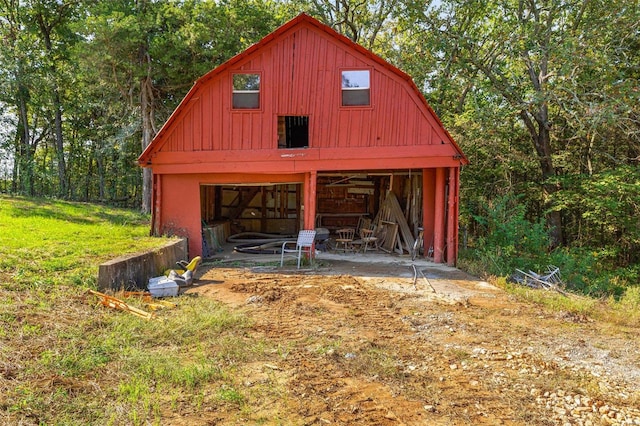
(378, 342)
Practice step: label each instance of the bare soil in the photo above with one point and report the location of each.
(373, 342)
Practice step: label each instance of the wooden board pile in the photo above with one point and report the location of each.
(392, 229)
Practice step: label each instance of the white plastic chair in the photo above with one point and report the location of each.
(304, 244)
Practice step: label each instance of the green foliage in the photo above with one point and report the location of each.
(166, 369)
(503, 76)
(364, 22)
(630, 302)
(506, 240)
(593, 272)
(603, 210)
(230, 395)
(85, 62)
(552, 300)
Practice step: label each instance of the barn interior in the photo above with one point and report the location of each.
(388, 201)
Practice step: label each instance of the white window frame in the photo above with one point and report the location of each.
(345, 90)
(245, 94)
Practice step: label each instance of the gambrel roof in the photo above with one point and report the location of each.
(300, 65)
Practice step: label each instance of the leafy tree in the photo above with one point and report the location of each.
(51, 18)
(607, 212)
(506, 239)
(90, 82)
(36, 66)
(526, 60)
(151, 52)
(17, 77)
(366, 22)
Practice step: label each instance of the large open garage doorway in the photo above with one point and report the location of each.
(343, 200)
(249, 208)
(345, 197)
(386, 202)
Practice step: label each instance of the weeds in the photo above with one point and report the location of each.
(626, 310)
(58, 344)
(376, 362)
(620, 311)
(229, 394)
(506, 240)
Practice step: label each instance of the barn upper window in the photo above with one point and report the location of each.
(246, 91)
(293, 131)
(356, 88)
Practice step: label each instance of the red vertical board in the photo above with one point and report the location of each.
(300, 75)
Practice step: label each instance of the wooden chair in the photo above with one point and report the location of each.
(344, 239)
(368, 238)
(304, 244)
(363, 223)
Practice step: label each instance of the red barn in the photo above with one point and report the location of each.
(305, 129)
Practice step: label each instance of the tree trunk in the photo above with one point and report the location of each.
(16, 158)
(541, 138)
(148, 132)
(24, 154)
(538, 72)
(62, 165)
(46, 29)
(101, 176)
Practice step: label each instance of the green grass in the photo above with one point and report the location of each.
(622, 311)
(46, 242)
(66, 359)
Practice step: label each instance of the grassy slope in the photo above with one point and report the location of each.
(53, 242)
(65, 359)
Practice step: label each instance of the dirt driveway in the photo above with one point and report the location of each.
(364, 342)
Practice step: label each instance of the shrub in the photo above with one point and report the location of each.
(507, 240)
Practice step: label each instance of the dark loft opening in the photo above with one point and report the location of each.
(293, 131)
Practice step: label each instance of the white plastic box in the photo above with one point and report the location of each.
(162, 287)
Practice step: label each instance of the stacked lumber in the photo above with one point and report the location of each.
(394, 234)
(413, 211)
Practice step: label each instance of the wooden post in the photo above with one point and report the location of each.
(156, 206)
(310, 183)
(457, 213)
(263, 206)
(451, 218)
(428, 203)
(439, 219)
(310, 189)
(300, 191)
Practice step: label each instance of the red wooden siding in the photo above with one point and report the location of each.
(207, 142)
(301, 75)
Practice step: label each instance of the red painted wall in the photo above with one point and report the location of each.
(300, 72)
